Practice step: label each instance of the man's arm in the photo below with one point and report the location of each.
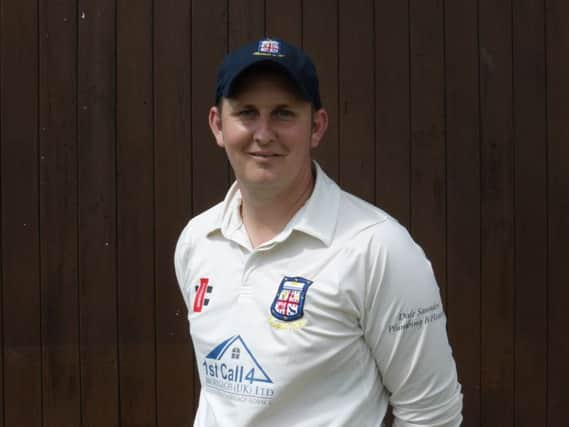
(405, 328)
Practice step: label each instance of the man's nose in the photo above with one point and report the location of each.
(264, 132)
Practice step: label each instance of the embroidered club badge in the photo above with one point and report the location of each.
(289, 301)
(269, 46)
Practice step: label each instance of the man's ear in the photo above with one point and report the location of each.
(215, 125)
(319, 126)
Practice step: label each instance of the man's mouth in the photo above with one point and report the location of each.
(264, 155)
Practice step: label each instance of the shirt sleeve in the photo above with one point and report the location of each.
(181, 264)
(405, 327)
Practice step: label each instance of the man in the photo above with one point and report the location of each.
(307, 306)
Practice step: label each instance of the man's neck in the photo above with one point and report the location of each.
(265, 214)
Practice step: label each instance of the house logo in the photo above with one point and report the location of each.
(231, 369)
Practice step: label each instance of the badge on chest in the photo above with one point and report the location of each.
(288, 304)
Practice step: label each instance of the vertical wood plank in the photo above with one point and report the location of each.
(356, 78)
(497, 243)
(210, 172)
(284, 20)
(172, 132)
(320, 41)
(135, 214)
(97, 213)
(58, 214)
(2, 346)
(557, 12)
(463, 199)
(246, 22)
(428, 192)
(392, 108)
(20, 223)
(530, 213)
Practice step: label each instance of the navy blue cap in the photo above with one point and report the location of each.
(292, 60)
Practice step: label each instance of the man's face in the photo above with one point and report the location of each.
(268, 133)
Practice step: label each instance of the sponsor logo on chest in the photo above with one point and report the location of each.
(232, 370)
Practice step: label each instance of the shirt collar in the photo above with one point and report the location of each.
(319, 214)
(317, 217)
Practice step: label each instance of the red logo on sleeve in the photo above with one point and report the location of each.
(200, 300)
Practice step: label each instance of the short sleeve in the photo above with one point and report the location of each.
(405, 327)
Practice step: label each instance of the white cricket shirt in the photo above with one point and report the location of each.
(323, 325)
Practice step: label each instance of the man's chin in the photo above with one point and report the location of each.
(261, 180)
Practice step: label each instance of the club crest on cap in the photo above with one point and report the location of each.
(269, 47)
(289, 301)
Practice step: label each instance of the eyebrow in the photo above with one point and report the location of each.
(249, 105)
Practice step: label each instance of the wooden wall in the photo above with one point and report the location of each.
(451, 115)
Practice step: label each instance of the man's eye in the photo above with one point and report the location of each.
(284, 114)
(246, 113)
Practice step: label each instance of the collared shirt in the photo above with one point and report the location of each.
(324, 325)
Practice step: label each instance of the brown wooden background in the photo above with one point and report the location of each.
(452, 115)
